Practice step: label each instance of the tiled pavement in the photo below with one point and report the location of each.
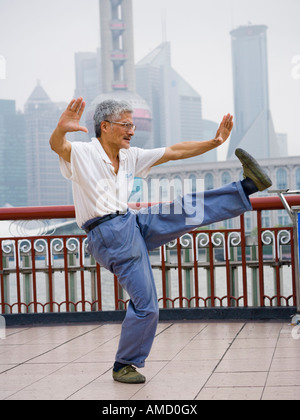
(188, 361)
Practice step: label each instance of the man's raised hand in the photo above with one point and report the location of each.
(224, 130)
(70, 118)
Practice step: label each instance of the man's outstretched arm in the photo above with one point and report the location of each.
(191, 149)
(68, 122)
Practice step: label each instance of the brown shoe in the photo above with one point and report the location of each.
(128, 375)
(253, 170)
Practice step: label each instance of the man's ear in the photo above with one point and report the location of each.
(104, 126)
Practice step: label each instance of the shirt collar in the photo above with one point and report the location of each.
(122, 154)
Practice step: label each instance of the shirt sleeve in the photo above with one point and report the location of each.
(69, 169)
(145, 159)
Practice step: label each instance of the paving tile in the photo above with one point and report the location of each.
(254, 343)
(231, 393)
(25, 352)
(244, 365)
(207, 344)
(288, 342)
(237, 379)
(61, 383)
(284, 364)
(200, 354)
(261, 330)
(249, 354)
(286, 352)
(168, 391)
(4, 368)
(185, 371)
(280, 393)
(25, 375)
(217, 331)
(286, 378)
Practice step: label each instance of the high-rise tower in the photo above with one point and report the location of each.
(254, 129)
(176, 106)
(118, 69)
(116, 23)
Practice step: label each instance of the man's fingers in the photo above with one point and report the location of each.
(69, 108)
(76, 104)
(81, 109)
(228, 121)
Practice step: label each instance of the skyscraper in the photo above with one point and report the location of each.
(45, 184)
(117, 62)
(13, 186)
(176, 106)
(254, 130)
(116, 25)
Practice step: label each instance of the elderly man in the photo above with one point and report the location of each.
(102, 173)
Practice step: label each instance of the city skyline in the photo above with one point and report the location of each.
(254, 129)
(205, 37)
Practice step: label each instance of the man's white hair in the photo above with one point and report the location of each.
(111, 110)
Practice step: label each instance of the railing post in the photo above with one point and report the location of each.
(296, 220)
(168, 280)
(72, 283)
(255, 281)
(93, 275)
(188, 276)
(166, 276)
(210, 274)
(234, 280)
(5, 289)
(260, 260)
(27, 283)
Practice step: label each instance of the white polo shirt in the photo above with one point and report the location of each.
(97, 190)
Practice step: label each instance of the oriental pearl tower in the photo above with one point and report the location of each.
(118, 70)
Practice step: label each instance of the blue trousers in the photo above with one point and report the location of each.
(121, 245)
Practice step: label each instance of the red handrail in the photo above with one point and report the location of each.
(68, 212)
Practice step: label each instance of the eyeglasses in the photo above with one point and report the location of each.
(127, 126)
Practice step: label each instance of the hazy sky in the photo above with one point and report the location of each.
(38, 39)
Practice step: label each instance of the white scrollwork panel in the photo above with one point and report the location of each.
(56, 246)
(268, 238)
(234, 239)
(218, 239)
(24, 246)
(202, 241)
(73, 246)
(283, 238)
(41, 247)
(8, 249)
(186, 240)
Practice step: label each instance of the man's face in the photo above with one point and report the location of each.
(120, 135)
